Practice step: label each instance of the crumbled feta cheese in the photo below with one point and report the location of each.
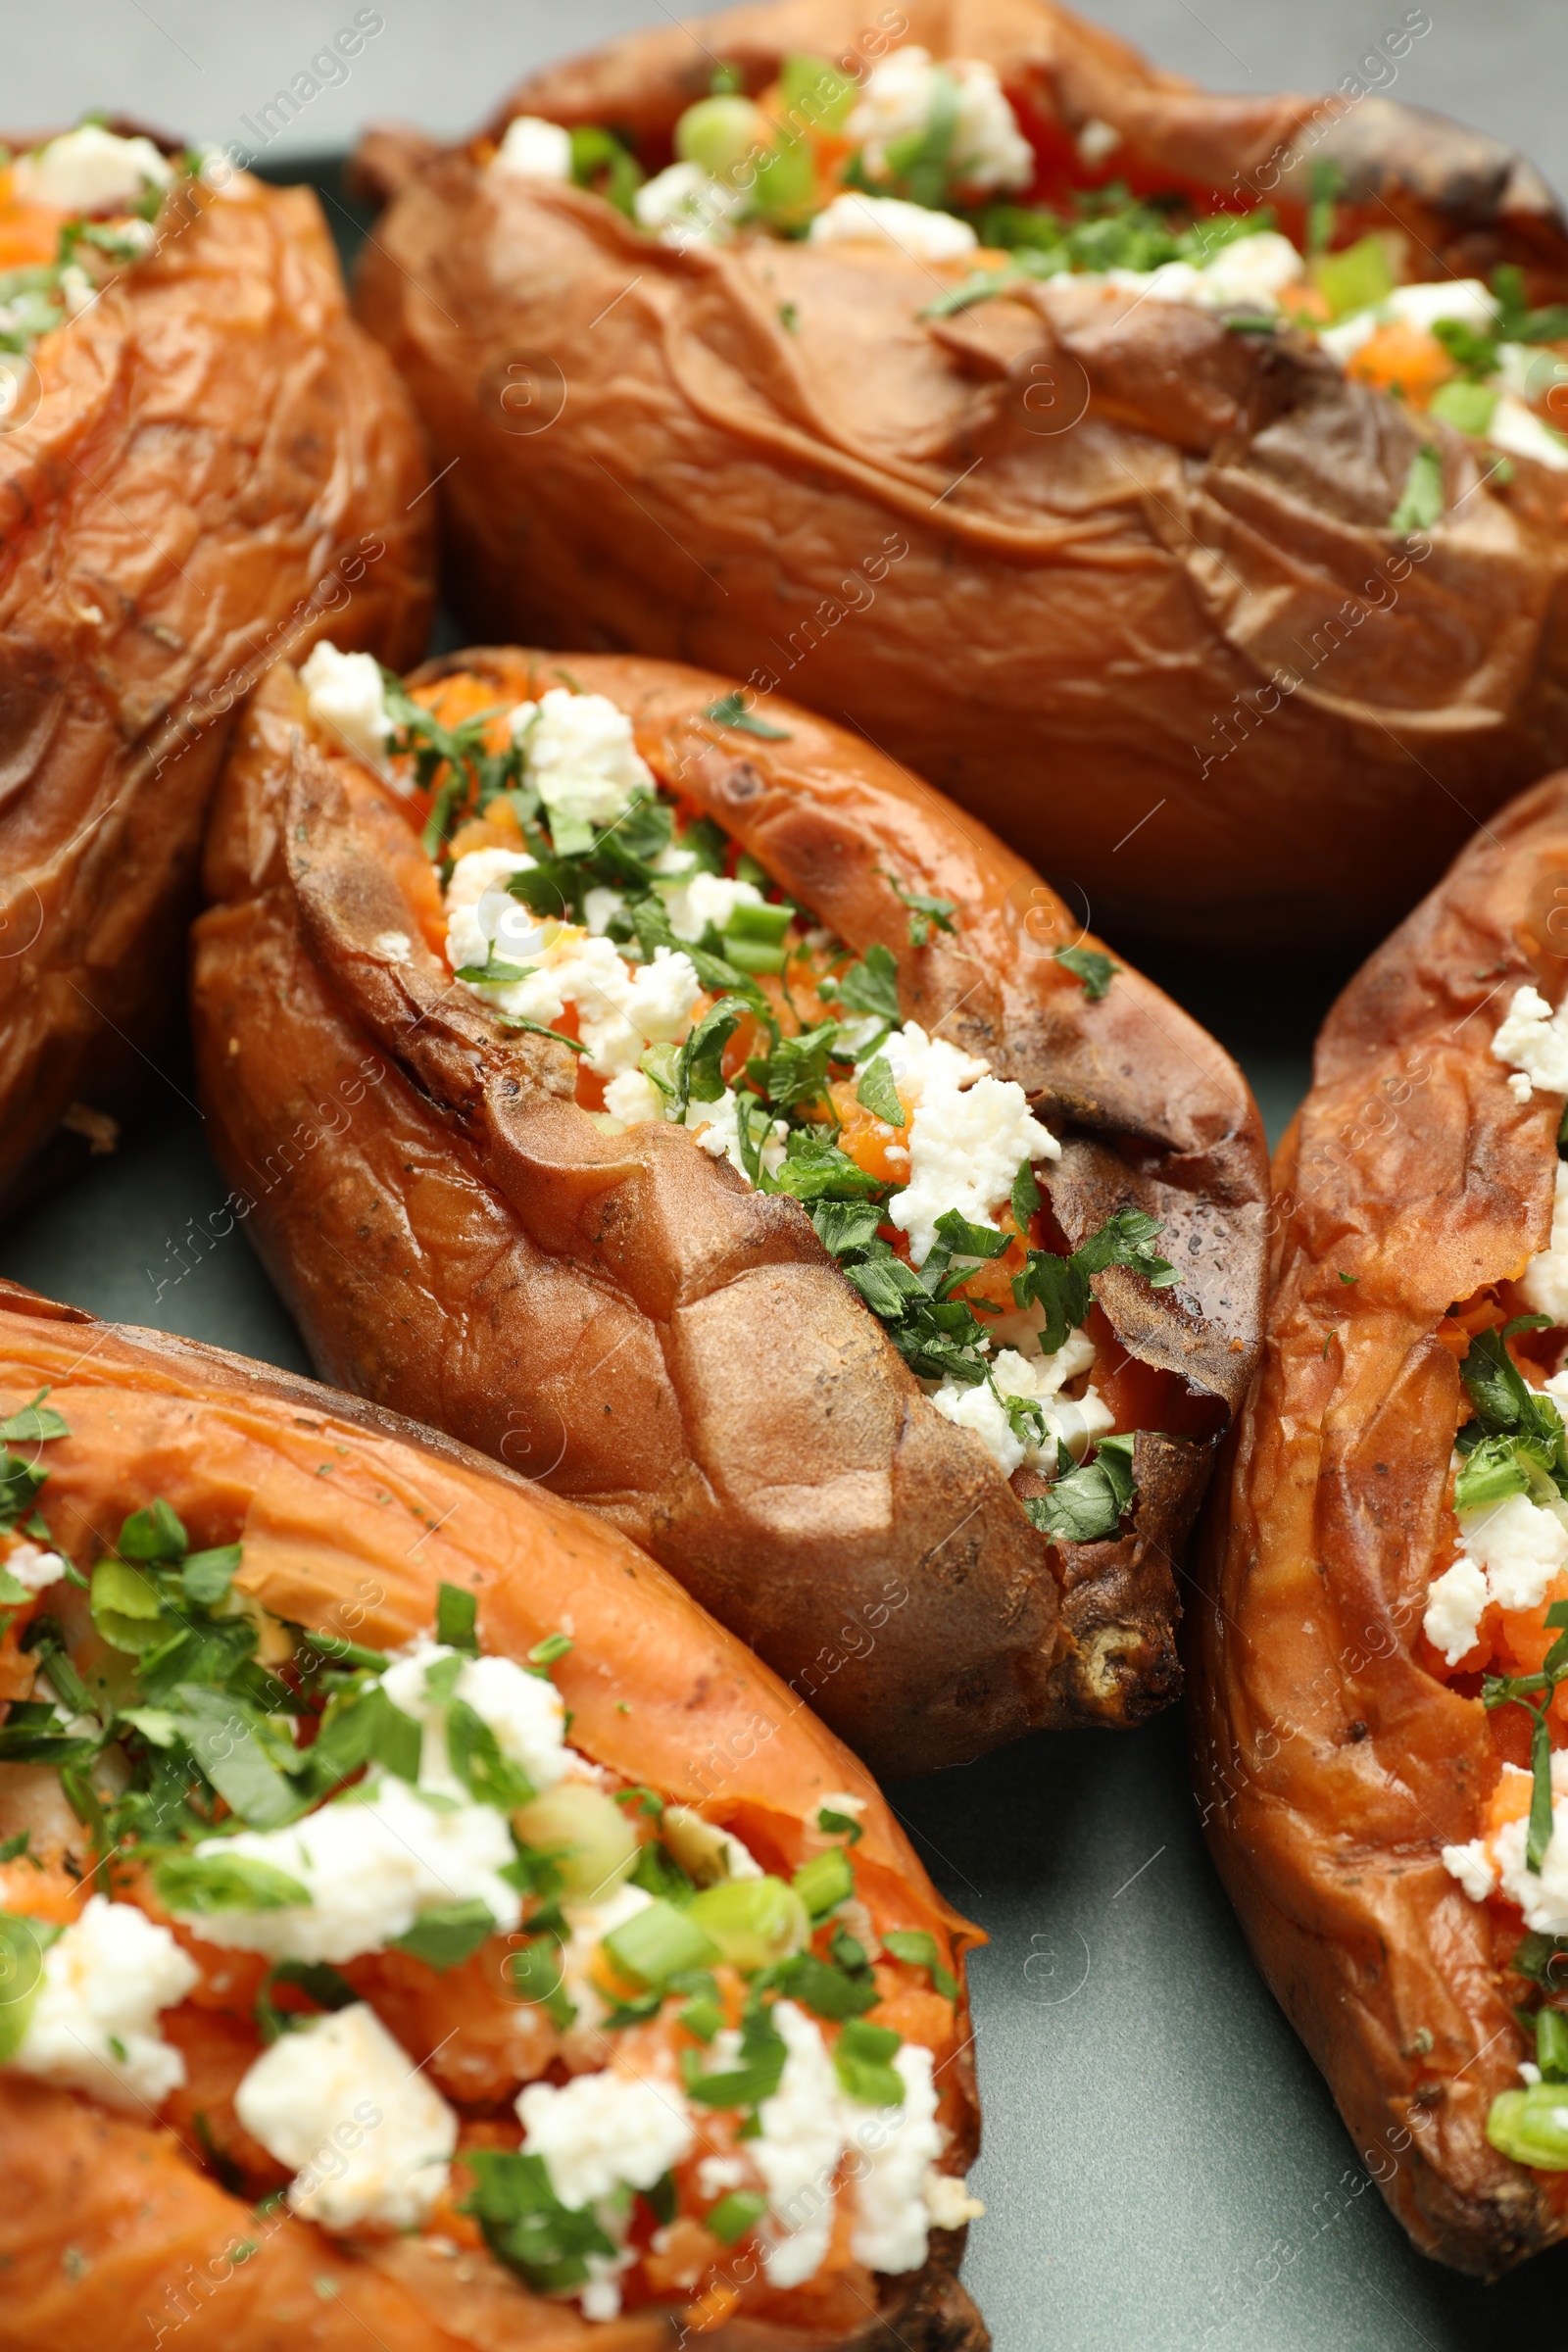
(525, 1712)
(902, 93)
(1519, 1086)
(91, 171)
(1346, 337)
(925, 237)
(1250, 272)
(708, 898)
(919, 1062)
(965, 1147)
(600, 906)
(396, 945)
(1454, 1604)
(948, 2200)
(77, 290)
(897, 2147)
(599, 2132)
(371, 1864)
(33, 1566)
(798, 2149)
(360, 2127)
(979, 1412)
(717, 2174)
(1543, 1896)
(1471, 1865)
(663, 994)
(1071, 1423)
(718, 1126)
(683, 205)
(1096, 142)
(94, 2022)
(1520, 433)
(533, 149)
(1543, 1284)
(347, 696)
(580, 752)
(1521, 1544)
(633, 1098)
(1465, 299)
(1535, 1039)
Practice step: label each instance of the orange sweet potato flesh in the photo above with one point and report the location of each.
(219, 469)
(623, 1319)
(350, 1519)
(1090, 562)
(1331, 1766)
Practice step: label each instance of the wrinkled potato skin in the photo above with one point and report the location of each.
(240, 1451)
(1332, 1768)
(457, 1239)
(216, 444)
(1173, 652)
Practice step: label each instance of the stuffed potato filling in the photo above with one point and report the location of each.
(73, 214)
(934, 157)
(389, 1953)
(1495, 1614)
(585, 901)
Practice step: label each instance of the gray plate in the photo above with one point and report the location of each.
(1162, 2164)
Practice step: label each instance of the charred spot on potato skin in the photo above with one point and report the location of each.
(1355, 1733)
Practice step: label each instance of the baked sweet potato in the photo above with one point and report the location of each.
(1048, 483)
(1375, 1656)
(204, 462)
(220, 1589)
(465, 1181)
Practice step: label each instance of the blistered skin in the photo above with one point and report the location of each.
(350, 1519)
(623, 1319)
(1332, 1767)
(1117, 580)
(216, 443)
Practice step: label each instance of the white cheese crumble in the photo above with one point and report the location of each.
(533, 149)
(1520, 433)
(371, 1864)
(1545, 1280)
(925, 237)
(1071, 1423)
(798, 2148)
(1521, 1544)
(707, 898)
(1543, 1896)
(365, 2134)
(903, 92)
(683, 205)
(808, 2126)
(580, 752)
(1535, 1039)
(948, 2202)
(525, 1712)
(1247, 274)
(34, 1567)
(91, 171)
(968, 1136)
(717, 1128)
(1471, 1865)
(1454, 1604)
(347, 696)
(599, 2132)
(897, 2147)
(105, 1980)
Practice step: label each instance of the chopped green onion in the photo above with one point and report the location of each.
(734, 2214)
(825, 1882)
(655, 1944)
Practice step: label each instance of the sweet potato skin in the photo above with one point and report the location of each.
(1118, 581)
(456, 1237)
(1331, 1767)
(220, 468)
(350, 1519)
